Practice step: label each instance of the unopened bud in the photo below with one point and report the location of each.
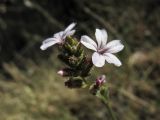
(100, 80)
(97, 85)
(67, 72)
(60, 72)
(86, 66)
(74, 83)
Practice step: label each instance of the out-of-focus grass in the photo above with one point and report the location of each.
(30, 89)
(37, 92)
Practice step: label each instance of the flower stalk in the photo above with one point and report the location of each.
(79, 66)
(106, 102)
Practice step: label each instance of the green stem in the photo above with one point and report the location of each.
(106, 102)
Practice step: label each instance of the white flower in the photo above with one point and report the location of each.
(103, 50)
(58, 37)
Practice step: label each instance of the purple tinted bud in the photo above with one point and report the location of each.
(100, 80)
(60, 72)
(65, 72)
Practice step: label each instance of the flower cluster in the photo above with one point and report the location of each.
(78, 64)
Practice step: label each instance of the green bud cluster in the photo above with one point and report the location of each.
(78, 65)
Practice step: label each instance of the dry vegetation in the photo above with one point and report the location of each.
(30, 89)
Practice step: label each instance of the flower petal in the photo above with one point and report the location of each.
(115, 49)
(88, 42)
(101, 37)
(70, 27)
(105, 36)
(69, 33)
(48, 42)
(114, 46)
(98, 59)
(58, 35)
(112, 59)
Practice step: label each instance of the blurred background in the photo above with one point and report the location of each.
(30, 89)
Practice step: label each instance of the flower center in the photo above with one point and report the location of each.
(103, 50)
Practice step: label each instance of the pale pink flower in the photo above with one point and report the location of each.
(59, 37)
(103, 50)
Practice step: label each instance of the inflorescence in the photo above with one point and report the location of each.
(79, 66)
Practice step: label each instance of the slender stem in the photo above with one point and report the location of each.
(111, 111)
(106, 102)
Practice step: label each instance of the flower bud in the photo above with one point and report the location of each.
(100, 80)
(61, 72)
(85, 66)
(74, 83)
(67, 72)
(97, 85)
